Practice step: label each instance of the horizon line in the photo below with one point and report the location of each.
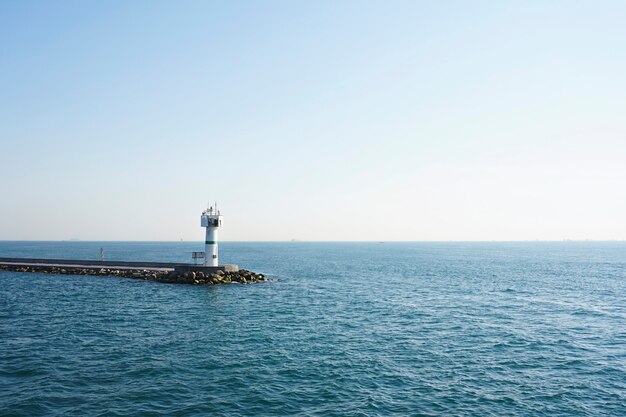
(321, 241)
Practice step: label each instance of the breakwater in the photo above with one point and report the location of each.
(150, 271)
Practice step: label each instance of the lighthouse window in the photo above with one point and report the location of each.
(214, 256)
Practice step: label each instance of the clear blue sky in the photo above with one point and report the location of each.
(324, 120)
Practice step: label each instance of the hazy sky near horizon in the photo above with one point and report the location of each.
(324, 120)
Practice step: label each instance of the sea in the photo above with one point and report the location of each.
(339, 329)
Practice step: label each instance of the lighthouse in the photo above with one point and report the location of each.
(212, 220)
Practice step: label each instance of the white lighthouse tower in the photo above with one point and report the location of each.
(212, 220)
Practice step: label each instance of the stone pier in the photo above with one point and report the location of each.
(175, 273)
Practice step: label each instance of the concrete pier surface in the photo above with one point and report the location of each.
(155, 271)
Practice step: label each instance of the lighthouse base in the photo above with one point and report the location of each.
(205, 269)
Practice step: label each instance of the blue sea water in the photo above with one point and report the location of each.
(340, 329)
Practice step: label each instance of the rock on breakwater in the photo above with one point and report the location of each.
(241, 276)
